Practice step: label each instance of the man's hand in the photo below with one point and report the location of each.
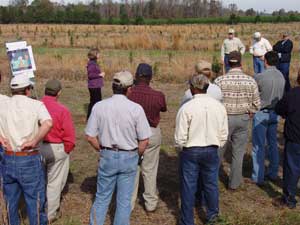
(29, 145)
(102, 74)
(142, 146)
(5, 144)
(93, 142)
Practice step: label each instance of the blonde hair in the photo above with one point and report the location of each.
(92, 55)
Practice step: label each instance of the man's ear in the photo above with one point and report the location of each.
(28, 92)
(129, 90)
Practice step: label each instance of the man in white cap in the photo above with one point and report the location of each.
(284, 48)
(231, 44)
(260, 46)
(119, 130)
(24, 122)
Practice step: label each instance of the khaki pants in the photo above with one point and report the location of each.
(57, 165)
(148, 169)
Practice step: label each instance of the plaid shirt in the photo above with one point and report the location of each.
(153, 102)
(240, 92)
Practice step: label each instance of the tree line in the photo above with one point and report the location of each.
(136, 12)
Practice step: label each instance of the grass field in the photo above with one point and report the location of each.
(250, 205)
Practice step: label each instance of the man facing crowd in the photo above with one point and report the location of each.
(231, 44)
(241, 100)
(24, 122)
(153, 102)
(260, 46)
(119, 129)
(201, 128)
(284, 49)
(56, 147)
(271, 87)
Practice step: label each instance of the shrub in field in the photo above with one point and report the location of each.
(216, 66)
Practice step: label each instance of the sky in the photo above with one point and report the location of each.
(258, 5)
(268, 5)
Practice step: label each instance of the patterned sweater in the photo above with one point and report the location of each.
(240, 92)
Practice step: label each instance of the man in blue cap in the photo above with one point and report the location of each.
(153, 102)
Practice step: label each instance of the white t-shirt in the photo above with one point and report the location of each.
(213, 90)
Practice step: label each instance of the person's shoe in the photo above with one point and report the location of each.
(150, 212)
(57, 217)
(282, 202)
(212, 221)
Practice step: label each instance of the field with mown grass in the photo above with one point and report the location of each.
(60, 52)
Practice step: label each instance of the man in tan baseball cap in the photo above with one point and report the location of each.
(119, 130)
(213, 90)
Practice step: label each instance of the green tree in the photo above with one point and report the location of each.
(124, 19)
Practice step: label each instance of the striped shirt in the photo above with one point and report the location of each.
(152, 101)
(240, 92)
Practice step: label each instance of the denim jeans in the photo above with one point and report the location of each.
(285, 70)
(258, 65)
(198, 163)
(264, 132)
(291, 171)
(25, 174)
(116, 170)
(226, 63)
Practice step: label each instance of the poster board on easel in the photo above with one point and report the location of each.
(21, 60)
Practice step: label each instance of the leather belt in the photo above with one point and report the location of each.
(117, 149)
(49, 142)
(11, 153)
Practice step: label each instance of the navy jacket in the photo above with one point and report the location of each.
(289, 108)
(285, 50)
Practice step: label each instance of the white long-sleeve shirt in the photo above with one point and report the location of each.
(260, 48)
(201, 122)
(230, 45)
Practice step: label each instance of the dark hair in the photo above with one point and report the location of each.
(119, 90)
(142, 79)
(272, 58)
(92, 55)
(20, 91)
(51, 92)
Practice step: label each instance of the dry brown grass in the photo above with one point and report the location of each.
(176, 37)
(60, 50)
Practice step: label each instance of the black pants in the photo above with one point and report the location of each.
(95, 96)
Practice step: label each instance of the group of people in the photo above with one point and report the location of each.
(36, 140)
(259, 47)
(214, 118)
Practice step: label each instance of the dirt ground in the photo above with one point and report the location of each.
(249, 205)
